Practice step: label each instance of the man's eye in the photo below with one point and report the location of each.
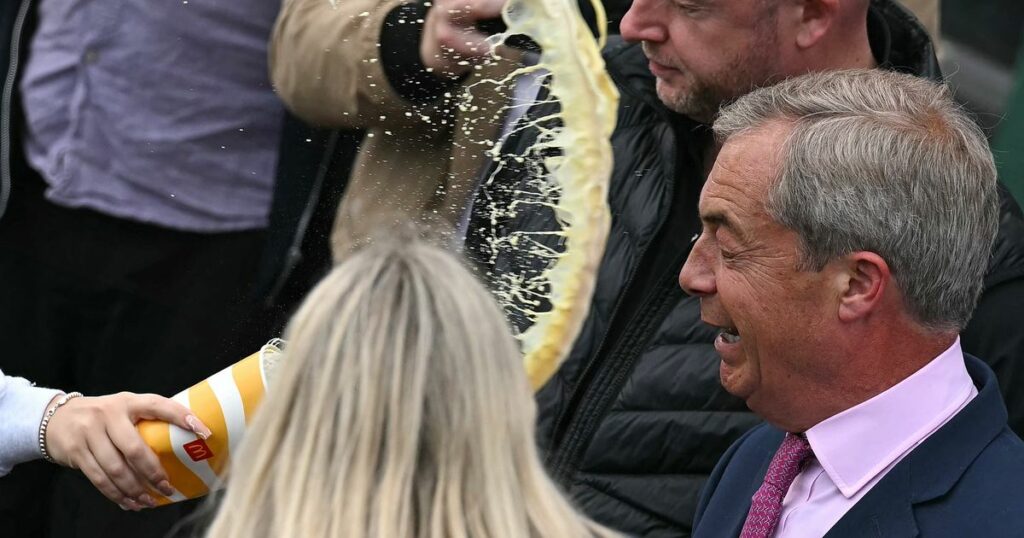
(687, 7)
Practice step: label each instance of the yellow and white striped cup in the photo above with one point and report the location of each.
(225, 402)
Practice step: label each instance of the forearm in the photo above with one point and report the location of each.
(21, 410)
(328, 63)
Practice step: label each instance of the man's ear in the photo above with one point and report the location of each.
(865, 276)
(815, 19)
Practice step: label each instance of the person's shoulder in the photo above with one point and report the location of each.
(615, 46)
(1007, 261)
(987, 499)
(628, 67)
(762, 436)
(759, 438)
(1000, 464)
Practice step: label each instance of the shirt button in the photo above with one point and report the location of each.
(91, 56)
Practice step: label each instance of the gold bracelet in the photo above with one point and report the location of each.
(46, 422)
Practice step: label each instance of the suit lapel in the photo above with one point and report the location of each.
(732, 485)
(932, 469)
(886, 510)
(740, 518)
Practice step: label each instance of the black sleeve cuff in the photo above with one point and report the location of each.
(400, 56)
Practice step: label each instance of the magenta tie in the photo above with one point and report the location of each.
(766, 506)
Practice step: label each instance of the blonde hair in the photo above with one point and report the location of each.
(401, 410)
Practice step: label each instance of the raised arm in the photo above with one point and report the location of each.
(360, 63)
(325, 62)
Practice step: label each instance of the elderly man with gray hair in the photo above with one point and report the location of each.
(848, 222)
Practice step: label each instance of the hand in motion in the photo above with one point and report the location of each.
(451, 45)
(98, 436)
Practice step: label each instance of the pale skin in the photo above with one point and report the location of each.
(451, 45)
(703, 52)
(810, 344)
(98, 436)
(707, 52)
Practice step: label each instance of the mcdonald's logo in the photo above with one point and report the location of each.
(198, 450)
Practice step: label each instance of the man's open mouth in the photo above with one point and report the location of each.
(730, 335)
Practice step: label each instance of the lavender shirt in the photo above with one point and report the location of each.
(158, 111)
(856, 448)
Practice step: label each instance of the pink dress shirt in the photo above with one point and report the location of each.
(856, 448)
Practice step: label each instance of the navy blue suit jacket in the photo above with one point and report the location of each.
(966, 480)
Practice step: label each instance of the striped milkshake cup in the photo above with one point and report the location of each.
(225, 402)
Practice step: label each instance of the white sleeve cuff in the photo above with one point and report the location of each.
(22, 407)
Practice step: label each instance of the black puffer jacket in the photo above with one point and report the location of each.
(635, 420)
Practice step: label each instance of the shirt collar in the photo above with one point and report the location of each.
(858, 444)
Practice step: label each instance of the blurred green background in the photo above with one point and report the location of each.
(981, 50)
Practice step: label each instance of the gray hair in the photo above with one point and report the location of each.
(888, 163)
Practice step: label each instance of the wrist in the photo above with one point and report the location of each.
(55, 404)
(53, 401)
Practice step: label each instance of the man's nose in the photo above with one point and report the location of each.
(697, 277)
(643, 23)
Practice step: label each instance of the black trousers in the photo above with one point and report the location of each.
(101, 305)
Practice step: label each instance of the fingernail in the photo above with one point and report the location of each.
(165, 488)
(147, 500)
(198, 427)
(123, 507)
(132, 505)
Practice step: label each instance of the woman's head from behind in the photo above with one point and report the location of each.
(402, 410)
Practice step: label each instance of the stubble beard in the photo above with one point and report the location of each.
(699, 102)
(703, 98)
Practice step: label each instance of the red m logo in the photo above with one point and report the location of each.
(198, 450)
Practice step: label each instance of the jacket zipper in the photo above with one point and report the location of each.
(295, 248)
(5, 108)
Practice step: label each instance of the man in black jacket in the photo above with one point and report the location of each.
(634, 421)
